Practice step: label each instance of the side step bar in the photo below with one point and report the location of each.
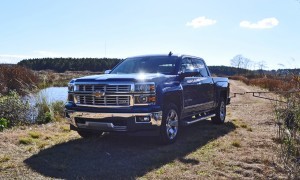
(186, 123)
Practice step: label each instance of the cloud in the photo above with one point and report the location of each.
(201, 22)
(11, 59)
(15, 58)
(266, 23)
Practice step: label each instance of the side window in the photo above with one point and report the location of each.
(186, 64)
(199, 64)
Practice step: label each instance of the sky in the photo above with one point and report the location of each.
(216, 30)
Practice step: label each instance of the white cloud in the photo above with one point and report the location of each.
(266, 23)
(15, 58)
(201, 22)
(12, 59)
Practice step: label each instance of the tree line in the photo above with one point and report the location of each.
(240, 65)
(70, 64)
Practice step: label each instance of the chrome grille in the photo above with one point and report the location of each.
(105, 88)
(103, 101)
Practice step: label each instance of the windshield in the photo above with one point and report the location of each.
(156, 64)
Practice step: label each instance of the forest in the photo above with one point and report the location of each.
(70, 64)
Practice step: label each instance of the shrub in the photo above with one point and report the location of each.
(14, 110)
(17, 78)
(44, 111)
(288, 119)
(3, 124)
(57, 108)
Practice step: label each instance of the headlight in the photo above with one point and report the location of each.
(145, 99)
(145, 87)
(70, 87)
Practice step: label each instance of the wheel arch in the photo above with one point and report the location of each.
(174, 97)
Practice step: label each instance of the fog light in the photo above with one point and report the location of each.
(143, 119)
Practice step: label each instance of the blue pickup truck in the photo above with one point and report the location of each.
(147, 95)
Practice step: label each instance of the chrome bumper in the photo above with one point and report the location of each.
(96, 124)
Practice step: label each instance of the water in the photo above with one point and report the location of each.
(54, 94)
(51, 94)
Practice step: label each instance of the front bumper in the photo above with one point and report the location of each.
(114, 122)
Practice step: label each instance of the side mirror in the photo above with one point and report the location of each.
(189, 73)
(107, 71)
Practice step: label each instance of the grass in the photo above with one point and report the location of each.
(34, 135)
(25, 140)
(65, 128)
(23, 80)
(4, 158)
(244, 126)
(236, 144)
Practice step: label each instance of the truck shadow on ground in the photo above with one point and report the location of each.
(122, 157)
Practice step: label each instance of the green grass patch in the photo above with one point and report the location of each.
(25, 140)
(4, 158)
(244, 126)
(236, 144)
(34, 135)
(65, 128)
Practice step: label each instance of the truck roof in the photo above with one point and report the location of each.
(165, 55)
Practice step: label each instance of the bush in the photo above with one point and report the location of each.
(14, 110)
(17, 78)
(288, 119)
(3, 124)
(57, 108)
(44, 110)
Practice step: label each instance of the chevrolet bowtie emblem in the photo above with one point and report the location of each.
(98, 94)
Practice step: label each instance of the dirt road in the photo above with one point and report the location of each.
(241, 148)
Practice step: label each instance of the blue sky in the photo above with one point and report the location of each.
(261, 30)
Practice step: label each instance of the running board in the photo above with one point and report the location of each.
(186, 123)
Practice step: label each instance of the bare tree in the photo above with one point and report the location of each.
(237, 61)
(262, 65)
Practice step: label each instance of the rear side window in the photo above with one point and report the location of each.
(199, 64)
(186, 63)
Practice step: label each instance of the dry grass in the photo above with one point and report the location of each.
(270, 83)
(23, 81)
(51, 78)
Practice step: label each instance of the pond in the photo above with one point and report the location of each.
(54, 94)
(51, 94)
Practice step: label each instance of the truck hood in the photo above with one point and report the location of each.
(140, 77)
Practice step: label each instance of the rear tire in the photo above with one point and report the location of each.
(170, 124)
(87, 134)
(220, 112)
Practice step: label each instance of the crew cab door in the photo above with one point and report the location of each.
(189, 85)
(205, 94)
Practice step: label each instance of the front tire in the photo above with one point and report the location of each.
(170, 124)
(220, 112)
(88, 134)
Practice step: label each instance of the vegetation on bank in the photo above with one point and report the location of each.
(15, 82)
(17, 78)
(51, 78)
